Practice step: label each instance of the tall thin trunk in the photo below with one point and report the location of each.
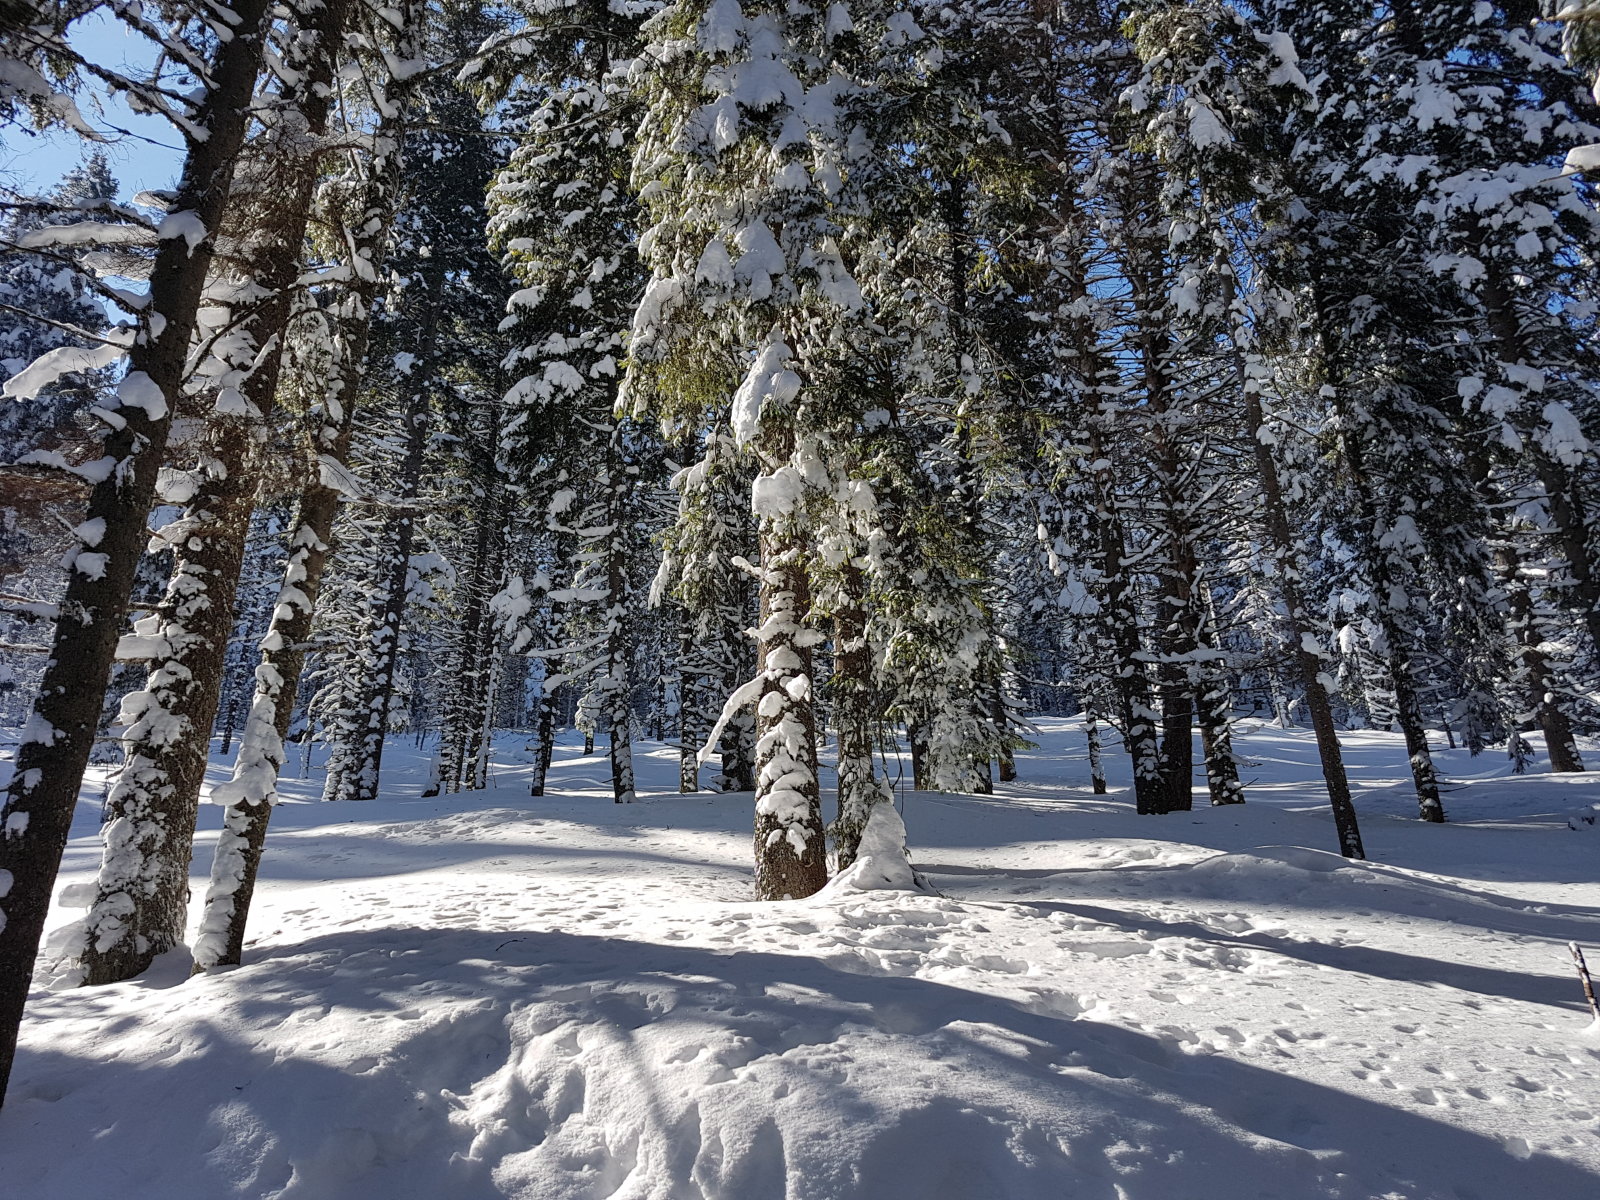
(141, 902)
(690, 686)
(1121, 631)
(463, 727)
(737, 751)
(1214, 705)
(852, 690)
(919, 756)
(36, 817)
(1313, 668)
(1385, 585)
(546, 725)
(359, 768)
(619, 634)
(1176, 691)
(1397, 643)
(737, 748)
(485, 746)
(249, 797)
(619, 709)
(1097, 771)
(1006, 759)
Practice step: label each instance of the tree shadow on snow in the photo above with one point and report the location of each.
(1552, 990)
(492, 1052)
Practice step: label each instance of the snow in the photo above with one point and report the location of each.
(495, 996)
(1583, 158)
(768, 381)
(1287, 73)
(881, 859)
(138, 390)
(760, 258)
(86, 233)
(185, 224)
(1205, 126)
(715, 267)
(27, 383)
(722, 28)
(1563, 437)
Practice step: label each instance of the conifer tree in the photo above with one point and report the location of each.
(363, 205)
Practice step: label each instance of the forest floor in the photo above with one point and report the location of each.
(489, 995)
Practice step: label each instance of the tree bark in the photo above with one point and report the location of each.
(1308, 657)
(1097, 772)
(1121, 631)
(249, 797)
(37, 813)
(790, 844)
(141, 904)
(359, 768)
(852, 691)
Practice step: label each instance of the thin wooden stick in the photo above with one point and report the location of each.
(1583, 977)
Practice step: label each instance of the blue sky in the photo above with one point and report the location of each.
(35, 162)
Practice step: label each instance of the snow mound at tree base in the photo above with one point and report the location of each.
(882, 863)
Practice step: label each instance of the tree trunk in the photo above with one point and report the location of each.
(1121, 631)
(142, 892)
(852, 691)
(464, 732)
(1214, 704)
(691, 684)
(1315, 682)
(1097, 771)
(248, 798)
(547, 735)
(737, 750)
(619, 709)
(141, 903)
(359, 768)
(790, 844)
(618, 700)
(39, 802)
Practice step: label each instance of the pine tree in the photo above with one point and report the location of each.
(1221, 83)
(366, 199)
(748, 294)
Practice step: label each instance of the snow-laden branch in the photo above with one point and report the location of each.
(27, 383)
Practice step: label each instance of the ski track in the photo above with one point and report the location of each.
(555, 998)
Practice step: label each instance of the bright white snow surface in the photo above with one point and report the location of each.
(496, 996)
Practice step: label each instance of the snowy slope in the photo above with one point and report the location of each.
(557, 998)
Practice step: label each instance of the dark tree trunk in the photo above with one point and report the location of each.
(37, 814)
(1120, 628)
(851, 689)
(141, 904)
(248, 799)
(547, 735)
(1311, 666)
(691, 684)
(1097, 773)
(359, 768)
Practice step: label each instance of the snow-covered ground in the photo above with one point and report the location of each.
(491, 995)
